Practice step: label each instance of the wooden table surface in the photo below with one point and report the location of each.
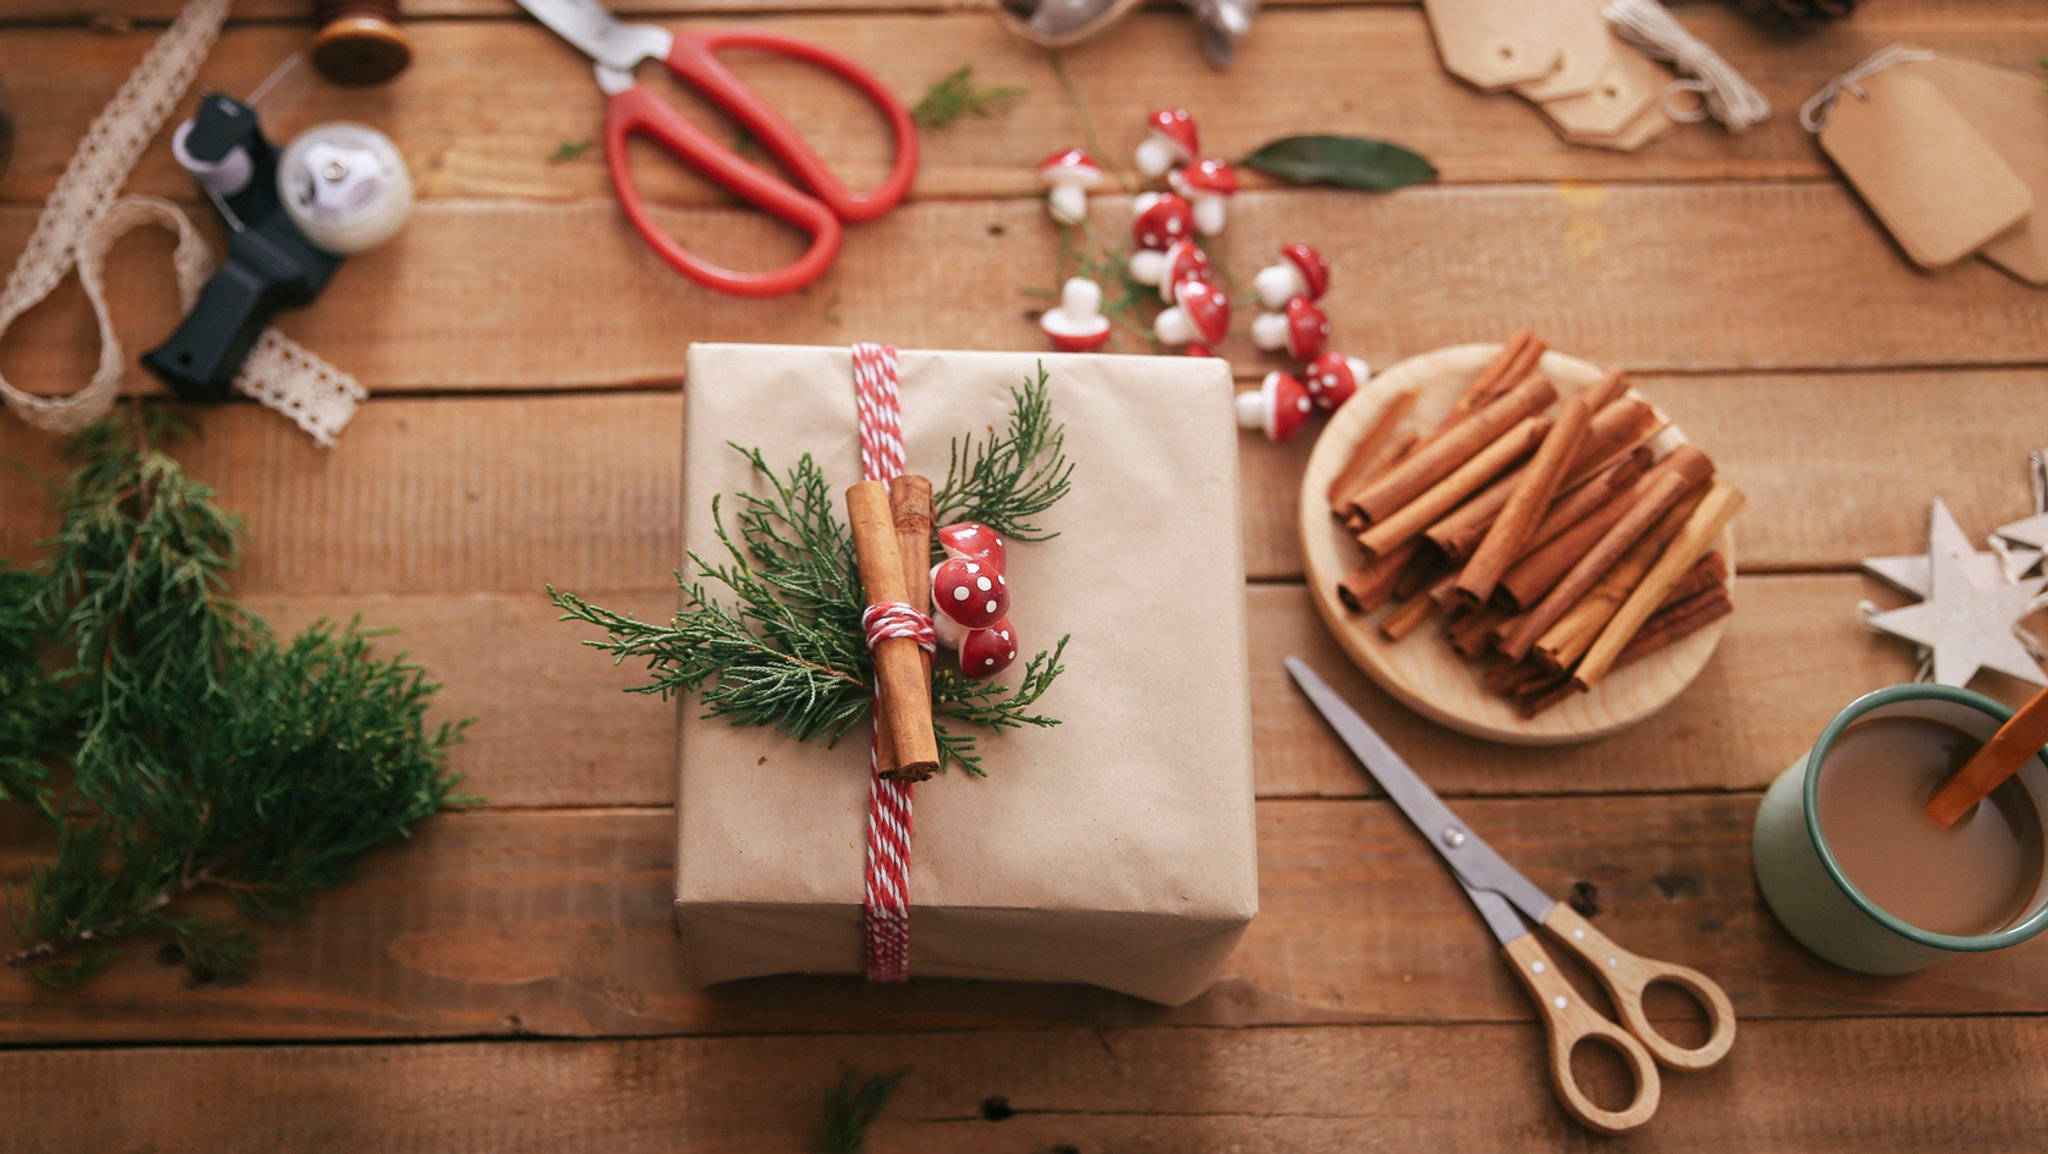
(509, 982)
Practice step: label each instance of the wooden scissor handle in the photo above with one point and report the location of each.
(1627, 976)
(1570, 1021)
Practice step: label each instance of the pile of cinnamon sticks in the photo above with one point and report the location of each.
(1549, 540)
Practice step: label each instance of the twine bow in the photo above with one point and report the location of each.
(1723, 93)
(1813, 115)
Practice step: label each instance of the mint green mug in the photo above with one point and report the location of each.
(1804, 884)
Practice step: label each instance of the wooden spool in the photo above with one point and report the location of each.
(1422, 672)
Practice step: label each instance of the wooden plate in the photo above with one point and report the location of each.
(1422, 671)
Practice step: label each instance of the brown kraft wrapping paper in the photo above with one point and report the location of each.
(1116, 849)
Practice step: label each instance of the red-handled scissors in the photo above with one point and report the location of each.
(619, 48)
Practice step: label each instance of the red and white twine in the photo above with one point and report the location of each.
(886, 906)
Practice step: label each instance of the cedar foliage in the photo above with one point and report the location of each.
(194, 752)
(787, 649)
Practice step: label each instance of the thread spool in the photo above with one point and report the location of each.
(359, 42)
(345, 186)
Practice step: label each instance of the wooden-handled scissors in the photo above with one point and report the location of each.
(1504, 898)
(629, 109)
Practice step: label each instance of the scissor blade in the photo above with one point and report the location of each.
(1501, 918)
(600, 35)
(1468, 855)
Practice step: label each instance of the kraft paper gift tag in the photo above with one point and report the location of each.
(1627, 90)
(1653, 124)
(2010, 111)
(1940, 188)
(1116, 848)
(1586, 45)
(1495, 44)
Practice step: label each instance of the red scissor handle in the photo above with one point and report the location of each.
(694, 60)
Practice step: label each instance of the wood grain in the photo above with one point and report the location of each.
(558, 923)
(1370, 70)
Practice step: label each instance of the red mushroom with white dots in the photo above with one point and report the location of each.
(1332, 379)
(1069, 173)
(1201, 312)
(1173, 140)
(987, 652)
(1183, 260)
(1280, 406)
(1301, 329)
(1301, 272)
(1208, 185)
(969, 593)
(1158, 219)
(973, 541)
(1077, 326)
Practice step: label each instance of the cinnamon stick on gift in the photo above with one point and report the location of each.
(1407, 523)
(1437, 458)
(910, 513)
(1694, 539)
(1594, 565)
(1525, 508)
(903, 704)
(1373, 449)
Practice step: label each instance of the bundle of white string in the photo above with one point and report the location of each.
(1724, 93)
(1813, 116)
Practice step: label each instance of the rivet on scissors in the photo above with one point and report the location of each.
(1536, 967)
(1579, 934)
(1560, 1001)
(1453, 836)
(1611, 962)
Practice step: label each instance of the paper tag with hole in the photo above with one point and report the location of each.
(1653, 124)
(1586, 45)
(1495, 43)
(1928, 174)
(2010, 111)
(1630, 86)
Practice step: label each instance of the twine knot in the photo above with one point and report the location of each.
(891, 619)
(1813, 115)
(1723, 93)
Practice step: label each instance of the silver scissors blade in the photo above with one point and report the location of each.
(600, 35)
(1474, 862)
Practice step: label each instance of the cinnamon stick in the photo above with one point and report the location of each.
(1369, 453)
(2009, 749)
(1396, 451)
(903, 705)
(1413, 612)
(1440, 456)
(1516, 359)
(1539, 572)
(1574, 506)
(1471, 637)
(1565, 642)
(1616, 428)
(1695, 538)
(1407, 523)
(910, 513)
(1664, 493)
(1668, 626)
(1525, 508)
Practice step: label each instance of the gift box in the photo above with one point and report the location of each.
(1115, 849)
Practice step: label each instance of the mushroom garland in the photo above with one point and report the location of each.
(1167, 254)
(971, 599)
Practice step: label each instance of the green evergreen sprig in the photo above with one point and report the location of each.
(204, 755)
(771, 635)
(954, 96)
(852, 1107)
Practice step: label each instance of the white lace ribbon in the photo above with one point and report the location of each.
(85, 215)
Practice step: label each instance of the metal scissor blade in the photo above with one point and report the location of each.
(1501, 918)
(1468, 855)
(600, 35)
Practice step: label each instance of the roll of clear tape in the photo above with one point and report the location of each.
(346, 187)
(227, 176)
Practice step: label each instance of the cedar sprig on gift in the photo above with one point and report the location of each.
(787, 651)
(200, 754)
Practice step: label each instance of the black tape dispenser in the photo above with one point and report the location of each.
(337, 189)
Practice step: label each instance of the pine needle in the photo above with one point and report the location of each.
(203, 754)
(851, 1109)
(954, 96)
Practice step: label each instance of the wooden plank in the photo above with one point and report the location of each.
(500, 495)
(555, 296)
(557, 923)
(470, 129)
(1790, 1086)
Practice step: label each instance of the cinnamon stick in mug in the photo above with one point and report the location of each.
(1367, 456)
(1525, 508)
(1694, 539)
(1440, 456)
(1407, 523)
(1664, 493)
(903, 704)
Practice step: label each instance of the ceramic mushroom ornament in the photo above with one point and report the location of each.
(1184, 260)
(1280, 406)
(1077, 326)
(1158, 219)
(1332, 379)
(1300, 273)
(1208, 186)
(987, 652)
(1172, 140)
(973, 541)
(1069, 173)
(1201, 312)
(1301, 329)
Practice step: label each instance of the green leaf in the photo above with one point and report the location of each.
(569, 150)
(1345, 161)
(851, 1109)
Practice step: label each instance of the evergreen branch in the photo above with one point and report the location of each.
(1008, 478)
(852, 1107)
(954, 96)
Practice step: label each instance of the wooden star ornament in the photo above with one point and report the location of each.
(1966, 622)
